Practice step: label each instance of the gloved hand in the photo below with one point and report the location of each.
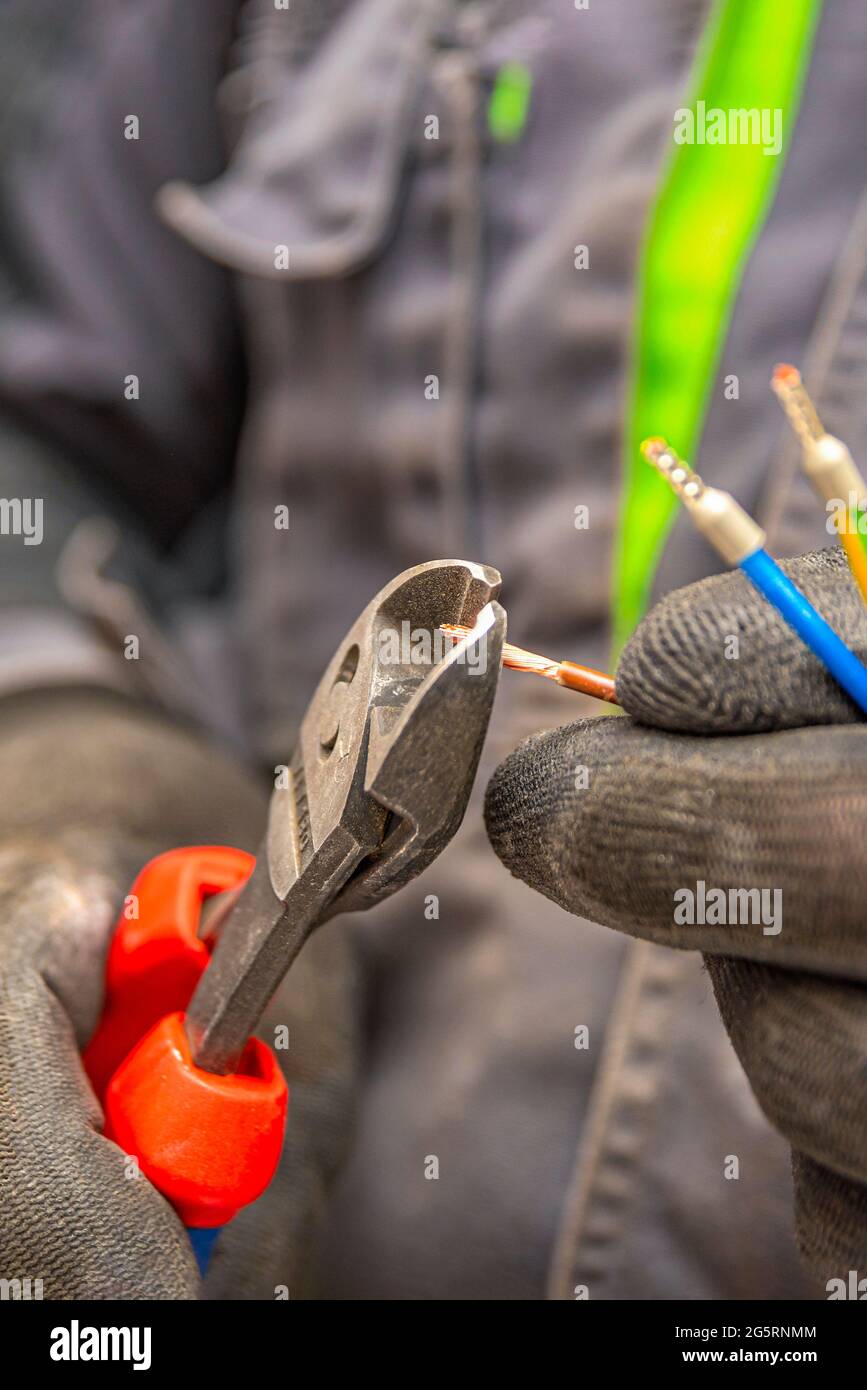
(93, 787)
(716, 777)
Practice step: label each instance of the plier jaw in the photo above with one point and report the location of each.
(428, 703)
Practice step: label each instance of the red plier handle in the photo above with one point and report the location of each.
(209, 1143)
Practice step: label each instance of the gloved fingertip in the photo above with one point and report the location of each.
(535, 793)
(716, 657)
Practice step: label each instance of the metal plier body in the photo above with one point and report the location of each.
(377, 786)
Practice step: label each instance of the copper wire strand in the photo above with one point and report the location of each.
(793, 396)
(565, 673)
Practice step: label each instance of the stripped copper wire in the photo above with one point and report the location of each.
(566, 673)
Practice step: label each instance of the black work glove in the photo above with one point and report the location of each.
(717, 778)
(93, 787)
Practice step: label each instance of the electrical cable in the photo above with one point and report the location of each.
(566, 673)
(829, 466)
(741, 542)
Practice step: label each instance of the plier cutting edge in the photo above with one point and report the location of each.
(377, 786)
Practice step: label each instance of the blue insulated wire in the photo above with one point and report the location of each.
(202, 1239)
(800, 614)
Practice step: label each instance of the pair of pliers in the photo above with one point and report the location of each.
(376, 787)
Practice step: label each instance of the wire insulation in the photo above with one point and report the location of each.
(739, 541)
(799, 613)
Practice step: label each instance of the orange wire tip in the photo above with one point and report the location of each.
(565, 673)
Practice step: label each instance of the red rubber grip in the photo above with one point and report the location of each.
(209, 1143)
(156, 960)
